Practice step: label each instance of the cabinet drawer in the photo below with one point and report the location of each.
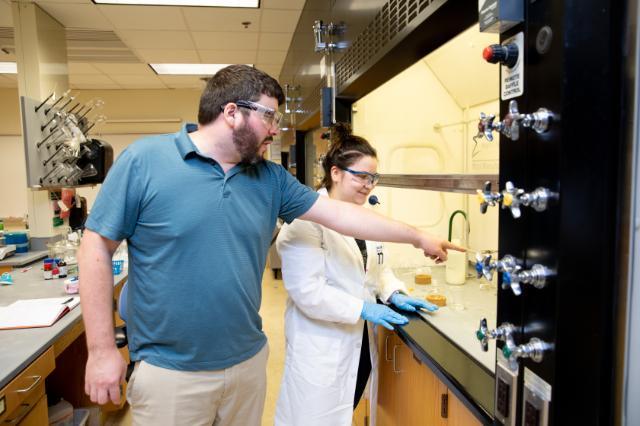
(25, 390)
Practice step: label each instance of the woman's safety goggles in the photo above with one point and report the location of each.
(270, 117)
(366, 177)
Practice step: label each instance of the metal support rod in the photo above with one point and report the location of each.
(85, 113)
(44, 102)
(66, 103)
(48, 122)
(73, 108)
(64, 95)
(48, 160)
(39, 144)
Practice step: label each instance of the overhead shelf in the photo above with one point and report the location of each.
(458, 183)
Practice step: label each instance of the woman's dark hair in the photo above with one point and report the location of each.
(344, 150)
(234, 83)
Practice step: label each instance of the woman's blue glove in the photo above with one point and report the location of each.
(407, 303)
(382, 315)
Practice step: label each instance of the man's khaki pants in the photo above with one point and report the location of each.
(233, 396)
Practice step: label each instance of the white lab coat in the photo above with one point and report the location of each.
(327, 284)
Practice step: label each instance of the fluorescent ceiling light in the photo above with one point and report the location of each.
(8, 68)
(188, 69)
(210, 3)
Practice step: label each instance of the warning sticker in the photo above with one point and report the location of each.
(512, 79)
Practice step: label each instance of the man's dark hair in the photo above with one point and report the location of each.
(234, 83)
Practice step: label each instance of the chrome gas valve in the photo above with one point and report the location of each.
(513, 275)
(512, 198)
(540, 121)
(504, 332)
(538, 199)
(485, 267)
(487, 198)
(534, 350)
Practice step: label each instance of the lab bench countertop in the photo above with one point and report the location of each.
(446, 339)
(18, 348)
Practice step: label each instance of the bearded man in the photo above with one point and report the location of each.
(198, 209)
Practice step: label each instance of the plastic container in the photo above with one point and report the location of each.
(72, 285)
(80, 416)
(16, 238)
(456, 266)
(61, 414)
(22, 247)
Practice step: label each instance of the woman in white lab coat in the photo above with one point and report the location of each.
(332, 281)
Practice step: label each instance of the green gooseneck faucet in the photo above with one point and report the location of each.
(453, 215)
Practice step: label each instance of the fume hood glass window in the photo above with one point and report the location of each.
(452, 85)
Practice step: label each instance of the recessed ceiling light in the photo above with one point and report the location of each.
(188, 69)
(8, 68)
(209, 3)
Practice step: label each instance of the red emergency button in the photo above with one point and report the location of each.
(504, 54)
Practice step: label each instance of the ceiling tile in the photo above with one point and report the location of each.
(77, 15)
(182, 82)
(274, 41)
(144, 17)
(89, 2)
(82, 68)
(85, 79)
(272, 70)
(271, 57)
(92, 86)
(6, 19)
(124, 69)
(225, 41)
(280, 21)
(138, 82)
(168, 56)
(221, 19)
(11, 57)
(6, 83)
(228, 56)
(156, 39)
(282, 4)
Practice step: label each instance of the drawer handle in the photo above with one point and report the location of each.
(444, 405)
(24, 410)
(386, 348)
(395, 370)
(33, 385)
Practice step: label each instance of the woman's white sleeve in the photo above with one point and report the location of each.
(388, 283)
(303, 271)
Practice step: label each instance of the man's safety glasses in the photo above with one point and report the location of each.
(270, 117)
(366, 177)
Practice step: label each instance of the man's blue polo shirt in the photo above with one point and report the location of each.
(198, 241)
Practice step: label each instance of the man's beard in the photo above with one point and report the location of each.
(247, 145)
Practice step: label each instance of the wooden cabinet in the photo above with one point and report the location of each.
(38, 416)
(409, 393)
(20, 397)
(361, 413)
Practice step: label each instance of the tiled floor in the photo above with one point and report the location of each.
(273, 302)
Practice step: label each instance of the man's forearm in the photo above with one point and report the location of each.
(356, 221)
(96, 292)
